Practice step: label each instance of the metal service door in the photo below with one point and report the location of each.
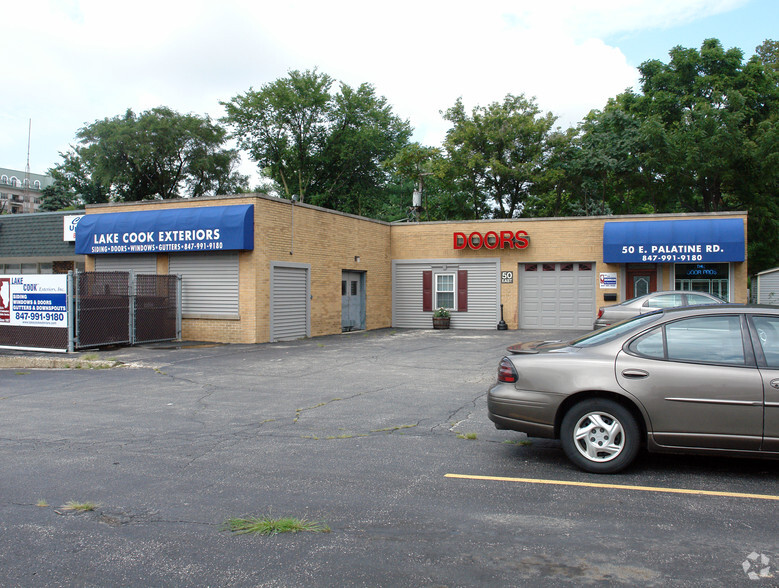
(352, 301)
(290, 295)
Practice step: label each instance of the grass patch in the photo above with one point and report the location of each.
(80, 506)
(22, 373)
(267, 525)
(90, 356)
(521, 442)
(42, 503)
(469, 436)
(390, 429)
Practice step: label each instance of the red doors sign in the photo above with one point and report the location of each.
(492, 240)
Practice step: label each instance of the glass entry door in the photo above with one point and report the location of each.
(641, 280)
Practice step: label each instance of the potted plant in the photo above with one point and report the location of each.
(441, 318)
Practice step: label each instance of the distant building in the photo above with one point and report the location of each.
(20, 192)
(42, 243)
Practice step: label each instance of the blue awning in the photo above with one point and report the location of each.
(674, 241)
(204, 228)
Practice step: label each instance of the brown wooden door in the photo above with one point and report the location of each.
(641, 279)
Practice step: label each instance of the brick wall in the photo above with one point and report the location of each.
(285, 232)
(576, 239)
(331, 242)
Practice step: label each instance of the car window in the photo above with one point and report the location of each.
(699, 299)
(664, 301)
(615, 330)
(630, 301)
(649, 344)
(707, 339)
(768, 333)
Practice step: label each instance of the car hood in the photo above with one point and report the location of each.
(537, 347)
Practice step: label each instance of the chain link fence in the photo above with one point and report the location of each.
(102, 308)
(34, 338)
(156, 308)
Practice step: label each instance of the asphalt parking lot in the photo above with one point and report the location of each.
(383, 436)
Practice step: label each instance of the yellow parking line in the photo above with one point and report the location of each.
(615, 486)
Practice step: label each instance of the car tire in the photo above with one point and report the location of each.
(600, 436)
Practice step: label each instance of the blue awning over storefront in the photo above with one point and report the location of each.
(206, 228)
(674, 241)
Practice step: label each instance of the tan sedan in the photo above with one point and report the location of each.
(702, 379)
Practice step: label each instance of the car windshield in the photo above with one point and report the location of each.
(617, 329)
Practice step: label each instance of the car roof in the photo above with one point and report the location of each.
(727, 308)
(677, 292)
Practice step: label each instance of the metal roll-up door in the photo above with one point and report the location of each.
(289, 308)
(483, 305)
(556, 295)
(209, 283)
(139, 264)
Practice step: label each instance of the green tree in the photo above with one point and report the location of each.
(73, 187)
(497, 153)
(696, 138)
(363, 133)
(321, 146)
(768, 54)
(155, 155)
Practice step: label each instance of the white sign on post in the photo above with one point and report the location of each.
(36, 300)
(608, 281)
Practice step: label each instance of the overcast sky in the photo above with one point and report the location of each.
(67, 63)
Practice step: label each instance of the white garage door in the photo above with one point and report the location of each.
(289, 307)
(556, 295)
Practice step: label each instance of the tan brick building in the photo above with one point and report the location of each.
(289, 270)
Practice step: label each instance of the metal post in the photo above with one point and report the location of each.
(131, 306)
(71, 311)
(502, 326)
(178, 307)
(76, 309)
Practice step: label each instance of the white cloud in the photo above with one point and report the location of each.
(77, 61)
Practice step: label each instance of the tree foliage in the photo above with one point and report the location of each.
(497, 153)
(322, 146)
(700, 134)
(698, 137)
(158, 154)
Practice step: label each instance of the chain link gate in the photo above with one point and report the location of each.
(122, 308)
(156, 309)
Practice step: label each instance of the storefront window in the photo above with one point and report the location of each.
(444, 291)
(711, 278)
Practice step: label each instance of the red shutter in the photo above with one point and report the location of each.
(427, 291)
(462, 290)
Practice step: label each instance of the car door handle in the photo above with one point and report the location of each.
(775, 383)
(634, 374)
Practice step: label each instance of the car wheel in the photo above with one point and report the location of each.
(600, 436)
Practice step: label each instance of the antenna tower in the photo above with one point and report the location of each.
(26, 182)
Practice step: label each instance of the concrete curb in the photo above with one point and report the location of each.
(22, 362)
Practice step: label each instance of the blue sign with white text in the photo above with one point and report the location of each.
(674, 241)
(206, 228)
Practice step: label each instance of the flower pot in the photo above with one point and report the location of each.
(441, 322)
